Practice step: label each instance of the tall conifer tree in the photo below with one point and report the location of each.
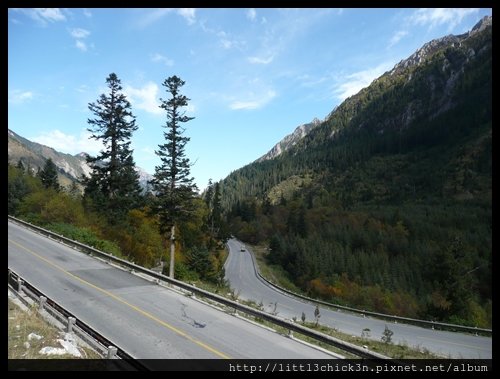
(48, 175)
(113, 185)
(172, 183)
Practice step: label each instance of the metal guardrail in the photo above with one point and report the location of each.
(345, 346)
(406, 320)
(100, 343)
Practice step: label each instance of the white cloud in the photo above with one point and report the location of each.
(68, 143)
(148, 150)
(251, 14)
(226, 40)
(307, 80)
(357, 81)
(19, 97)
(396, 38)
(190, 108)
(152, 17)
(439, 16)
(50, 14)
(87, 13)
(144, 98)
(156, 57)
(149, 18)
(258, 60)
(79, 33)
(226, 44)
(42, 15)
(81, 45)
(253, 101)
(82, 88)
(188, 13)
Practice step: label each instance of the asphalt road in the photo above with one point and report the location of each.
(144, 319)
(243, 279)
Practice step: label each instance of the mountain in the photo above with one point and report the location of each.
(71, 167)
(144, 177)
(400, 110)
(387, 203)
(34, 155)
(290, 140)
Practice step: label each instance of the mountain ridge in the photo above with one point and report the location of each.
(414, 60)
(70, 167)
(290, 140)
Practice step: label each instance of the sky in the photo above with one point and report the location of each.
(252, 75)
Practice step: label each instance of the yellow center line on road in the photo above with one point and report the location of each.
(135, 308)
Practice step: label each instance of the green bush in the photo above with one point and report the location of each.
(85, 236)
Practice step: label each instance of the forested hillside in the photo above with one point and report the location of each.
(387, 204)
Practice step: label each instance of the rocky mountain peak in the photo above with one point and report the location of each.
(428, 49)
(424, 52)
(71, 167)
(291, 139)
(481, 25)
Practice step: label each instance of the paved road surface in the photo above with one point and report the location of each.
(146, 320)
(242, 277)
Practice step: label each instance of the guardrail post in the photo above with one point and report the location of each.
(19, 285)
(71, 322)
(290, 331)
(111, 352)
(43, 299)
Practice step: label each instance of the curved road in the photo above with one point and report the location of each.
(242, 277)
(144, 319)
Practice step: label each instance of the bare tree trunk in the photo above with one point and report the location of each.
(172, 252)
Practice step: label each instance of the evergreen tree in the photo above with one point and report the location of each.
(74, 191)
(113, 185)
(173, 186)
(215, 221)
(48, 175)
(209, 193)
(217, 213)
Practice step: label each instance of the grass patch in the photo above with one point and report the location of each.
(23, 324)
(274, 273)
(211, 287)
(396, 351)
(85, 236)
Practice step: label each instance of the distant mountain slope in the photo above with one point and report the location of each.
(290, 140)
(34, 155)
(71, 167)
(398, 112)
(387, 204)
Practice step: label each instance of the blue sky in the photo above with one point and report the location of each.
(252, 75)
